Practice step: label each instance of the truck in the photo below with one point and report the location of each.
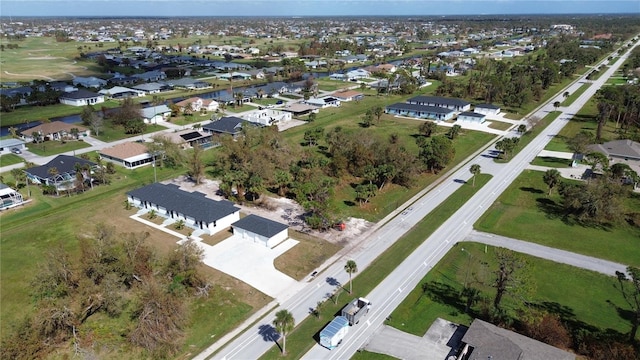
(355, 310)
(331, 335)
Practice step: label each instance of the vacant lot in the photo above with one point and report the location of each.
(524, 211)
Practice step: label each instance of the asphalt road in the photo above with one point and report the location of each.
(258, 338)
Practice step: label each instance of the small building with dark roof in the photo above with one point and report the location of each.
(471, 117)
(81, 98)
(449, 103)
(420, 111)
(486, 341)
(620, 151)
(260, 230)
(64, 176)
(487, 109)
(229, 125)
(194, 208)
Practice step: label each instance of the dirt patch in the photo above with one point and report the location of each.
(282, 210)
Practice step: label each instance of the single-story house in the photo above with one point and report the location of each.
(194, 208)
(299, 109)
(149, 76)
(486, 341)
(620, 151)
(230, 125)
(154, 114)
(357, 74)
(188, 83)
(81, 98)
(119, 92)
(131, 155)
(420, 111)
(348, 95)
(338, 77)
(487, 109)
(471, 117)
(9, 197)
(189, 138)
(7, 144)
(449, 103)
(235, 76)
(268, 117)
(89, 82)
(323, 102)
(198, 104)
(64, 175)
(152, 88)
(55, 130)
(260, 230)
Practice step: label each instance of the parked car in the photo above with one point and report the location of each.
(279, 102)
(16, 151)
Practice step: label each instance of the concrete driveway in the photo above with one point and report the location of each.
(251, 263)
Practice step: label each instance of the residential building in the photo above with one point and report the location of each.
(189, 138)
(323, 102)
(620, 151)
(228, 125)
(348, 95)
(449, 103)
(420, 111)
(9, 197)
(89, 82)
(194, 208)
(131, 155)
(6, 145)
(471, 117)
(197, 104)
(260, 230)
(152, 88)
(119, 92)
(60, 172)
(487, 109)
(155, 114)
(81, 98)
(268, 117)
(55, 130)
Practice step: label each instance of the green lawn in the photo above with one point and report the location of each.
(10, 159)
(572, 97)
(239, 109)
(551, 162)
(616, 80)
(582, 298)
(303, 337)
(25, 114)
(525, 212)
(110, 133)
(526, 138)
(53, 147)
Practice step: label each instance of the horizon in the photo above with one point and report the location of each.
(310, 8)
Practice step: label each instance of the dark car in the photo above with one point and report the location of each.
(16, 151)
(279, 102)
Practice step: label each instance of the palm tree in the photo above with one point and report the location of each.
(53, 171)
(284, 323)
(556, 104)
(13, 131)
(351, 268)
(475, 170)
(551, 177)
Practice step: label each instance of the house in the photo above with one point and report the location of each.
(323, 102)
(7, 144)
(357, 74)
(267, 117)
(198, 104)
(348, 95)
(420, 111)
(260, 230)
(229, 125)
(151, 76)
(449, 103)
(89, 82)
(487, 109)
(152, 88)
(620, 151)
(194, 208)
(154, 114)
(81, 98)
(55, 130)
(119, 92)
(131, 155)
(189, 84)
(9, 197)
(60, 172)
(484, 341)
(471, 117)
(338, 77)
(298, 109)
(189, 138)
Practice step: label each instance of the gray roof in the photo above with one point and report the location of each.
(150, 86)
(488, 106)
(619, 148)
(227, 125)
(471, 114)
(152, 111)
(438, 100)
(191, 204)
(80, 94)
(334, 326)
(4, 143)
(259, 225)
(492, 342)
(62, 163)
(421, 108)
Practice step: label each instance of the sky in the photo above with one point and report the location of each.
(309, 7)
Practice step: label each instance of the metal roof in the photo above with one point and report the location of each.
(438, 100)
(334, 326)
(259, 225)
(421, 108)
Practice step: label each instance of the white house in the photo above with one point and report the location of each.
(260, 230)
(323, 102)
(89, 82)
(487, 109)
(131, 155)
(471, 117)
(81, 98)
(268, 117)
(193, 208)
(9, 197)
(198, 104)
(7, 144)
(118, 92)
(154, 114)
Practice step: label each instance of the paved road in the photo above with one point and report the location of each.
(549, 253)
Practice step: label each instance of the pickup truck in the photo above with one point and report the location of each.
(355, 310)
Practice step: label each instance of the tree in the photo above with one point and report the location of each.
(196, 165)
(427, 128)
(551, 177)
(506, 146)
(351, 268)
(556, 104)
(378, 111)
(437, 152)
(522, 128)
(367, 119)
(629, 287)
(475, 170)
(508, 276)
(87, 114)
(565, 94)
(596, 202)
(284, 323)
(312, 117)
(454, 131)
(579, 142)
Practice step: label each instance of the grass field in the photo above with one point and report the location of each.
(583, 299)
(10, 159)
(113, 133)
(524, 209)
(526, 138)
(25, 114)
(551, 162)
(303, 337)
(500, 125)
(576, 94)
(48, 148)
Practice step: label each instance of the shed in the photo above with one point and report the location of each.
(487, 109)
(261, 230)
(332, 334)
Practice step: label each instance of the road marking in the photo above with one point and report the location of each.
(368, 323)
(399, 289)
